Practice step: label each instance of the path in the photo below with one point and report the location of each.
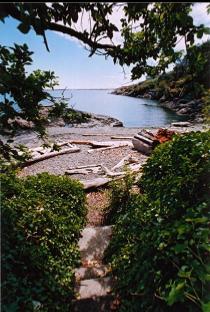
(94, 282)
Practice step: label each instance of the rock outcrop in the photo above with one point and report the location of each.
(182, 105)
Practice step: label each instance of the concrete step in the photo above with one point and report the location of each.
(93, 243)
(96, 271)
(92, 288)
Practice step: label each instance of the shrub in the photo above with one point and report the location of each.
(41, 221)
(159, 251)
(68, 114)
(120, 197)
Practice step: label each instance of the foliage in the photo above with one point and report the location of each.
(206, 110)
(156, 35)
(121, 195)
(159, 251)
(41, 221)
(189, 79)
(68, 114)
(21, 92)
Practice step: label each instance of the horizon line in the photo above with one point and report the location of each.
(81, 89)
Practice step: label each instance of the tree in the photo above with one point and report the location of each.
(149, 30)
(22, 92)
(21, 95)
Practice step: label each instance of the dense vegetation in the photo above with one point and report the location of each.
(186, 86)
(41, 221)
(159, 251)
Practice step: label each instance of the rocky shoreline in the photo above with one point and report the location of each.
(97, 120)
(88, 120)
(182, 106)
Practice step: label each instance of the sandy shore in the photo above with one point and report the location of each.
(59, 164)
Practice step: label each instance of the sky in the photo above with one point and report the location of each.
(69, 60)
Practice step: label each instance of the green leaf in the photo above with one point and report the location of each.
(175, 293)
(24, 28)
(206, 307)
(206, 30)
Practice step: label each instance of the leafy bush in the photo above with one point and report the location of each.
(121, 196)
(73, 116)
(159, 251)
(41, 221)
(68, 114)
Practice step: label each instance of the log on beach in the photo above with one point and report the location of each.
(50, 155)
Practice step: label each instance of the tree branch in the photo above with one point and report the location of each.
(12, 10)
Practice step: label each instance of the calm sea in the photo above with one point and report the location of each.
(133, 112)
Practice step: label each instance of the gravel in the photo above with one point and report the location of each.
(59, 164)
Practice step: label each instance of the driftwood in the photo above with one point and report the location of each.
(109, 145)
(88, 184)
(82, 142)
(96, 134)
(50, 155)
(98, 182)
(86, 166)
(144, 139)
(111, 173)
(121, 137)
(84, 170)
(142, 147)
(112, 136)
(127, 159)
(147, 134)
(35, 152)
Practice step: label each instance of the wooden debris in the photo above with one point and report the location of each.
(102, 149)
(96, 134)
(147, 134)
(109, 145)
(121, 137)
(127, 159)
(50, 154)
(85, 166)
(98, 182)
(144, 139)
(142, 147)
(88, 184)
(111, 173)
(84, 170)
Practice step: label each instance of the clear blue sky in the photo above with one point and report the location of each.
(70, 61)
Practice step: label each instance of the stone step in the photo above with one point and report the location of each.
(83, 273)
(97, 304)
(93, 243)
(92, 288)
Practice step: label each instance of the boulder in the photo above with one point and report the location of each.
(184, 111)
(22, 123)
(117, 124)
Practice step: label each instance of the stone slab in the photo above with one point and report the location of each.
(93, 243)
(92, 288)
(91, 272)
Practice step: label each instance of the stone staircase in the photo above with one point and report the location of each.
(94, 282)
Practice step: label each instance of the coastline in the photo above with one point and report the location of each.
(191, 109)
